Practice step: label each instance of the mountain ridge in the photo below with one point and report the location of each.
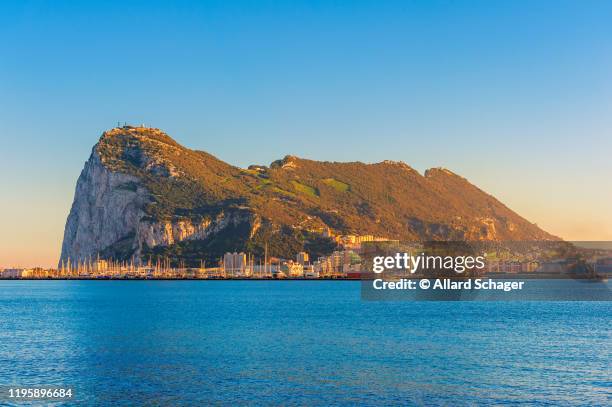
(142, 194)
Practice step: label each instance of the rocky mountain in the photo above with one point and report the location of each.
(142, 194)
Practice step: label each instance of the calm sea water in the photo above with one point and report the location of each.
(258, 342)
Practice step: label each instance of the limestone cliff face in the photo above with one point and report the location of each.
(166, 233)
(108, 217)
(106, 209)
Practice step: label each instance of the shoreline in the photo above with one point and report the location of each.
(495, 276)
(180, 279)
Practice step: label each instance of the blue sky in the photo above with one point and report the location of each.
(515, 96)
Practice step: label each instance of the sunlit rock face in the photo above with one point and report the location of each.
(142, 194)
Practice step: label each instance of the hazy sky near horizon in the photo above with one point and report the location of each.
(514, 95)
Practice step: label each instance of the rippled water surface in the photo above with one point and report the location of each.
(300, 342)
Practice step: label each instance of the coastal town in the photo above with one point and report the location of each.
(351, 261)
(344, 263)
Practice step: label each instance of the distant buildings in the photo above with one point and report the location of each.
(36, 272)
(12, 273)
(302, 258)
(327, 232)
(292, 269)
(339, 264)
(235, 265)
(511, 267)
(355, 242)
(350, 260)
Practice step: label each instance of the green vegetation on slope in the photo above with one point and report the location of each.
(337, 185)
(305, 189)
